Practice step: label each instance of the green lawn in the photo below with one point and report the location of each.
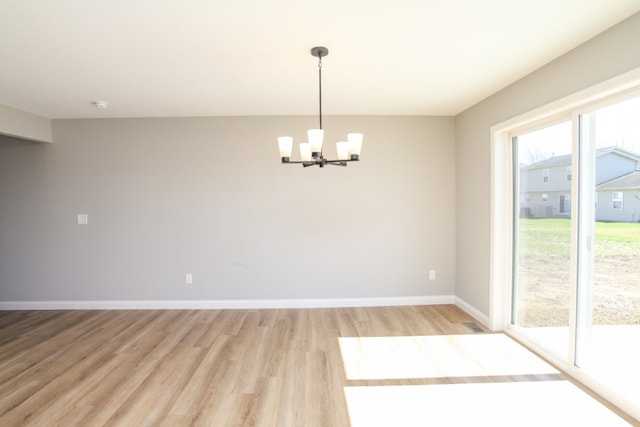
(551, 237)
(544, 285)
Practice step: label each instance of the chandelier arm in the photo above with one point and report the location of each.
(299, 162)
(321, 161)
(342, 161)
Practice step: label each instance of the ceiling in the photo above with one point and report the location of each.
(155, 58)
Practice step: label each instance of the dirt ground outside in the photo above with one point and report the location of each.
(544, 288)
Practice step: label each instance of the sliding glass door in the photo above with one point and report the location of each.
(576, 242)
(608, 310)
(542, 235)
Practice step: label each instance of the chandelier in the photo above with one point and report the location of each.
(311, 151)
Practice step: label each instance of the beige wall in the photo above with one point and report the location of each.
(606, 56)
(208, 196)
(23, 125)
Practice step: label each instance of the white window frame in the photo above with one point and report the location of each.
(502, 215)
(545, 197)
(569, 173)
(545, 176)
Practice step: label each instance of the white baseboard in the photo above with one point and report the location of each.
(472, 311)
(226, 304)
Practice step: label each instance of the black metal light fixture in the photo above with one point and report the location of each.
(311, 151)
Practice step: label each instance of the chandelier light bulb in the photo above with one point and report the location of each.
(342, 148)
(315, 140)
(355, 144)
(305, 152)
(285, 143)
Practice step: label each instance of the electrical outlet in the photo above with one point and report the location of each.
(432, 275)
(188, 278)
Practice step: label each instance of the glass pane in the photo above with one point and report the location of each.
(609, 302)
(542, 231)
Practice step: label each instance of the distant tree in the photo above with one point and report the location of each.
(535, 156)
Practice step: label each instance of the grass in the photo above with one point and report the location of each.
(551, 237)
(548, 237)
(544, 266)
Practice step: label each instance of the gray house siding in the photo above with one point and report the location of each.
(611, 166)
(540, 198)
(627, 204)
(546, 204)
(629, 213)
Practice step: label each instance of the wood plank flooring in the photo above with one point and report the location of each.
(194, 367)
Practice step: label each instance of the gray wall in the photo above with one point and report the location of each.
(607, 55)
(208, 196)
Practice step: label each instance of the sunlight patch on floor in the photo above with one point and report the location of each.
(539, 403)
(377, 358)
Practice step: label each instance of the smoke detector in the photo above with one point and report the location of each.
(100, 104)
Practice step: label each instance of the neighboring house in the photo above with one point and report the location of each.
(545, 187)
(619, 199)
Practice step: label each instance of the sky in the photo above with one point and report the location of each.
(616, 125)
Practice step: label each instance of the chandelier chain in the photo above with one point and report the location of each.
(320, 87)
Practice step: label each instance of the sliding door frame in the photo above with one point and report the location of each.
(502, 215)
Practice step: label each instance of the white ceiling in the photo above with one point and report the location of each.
(251, 57)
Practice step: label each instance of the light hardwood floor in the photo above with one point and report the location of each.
(199, 367)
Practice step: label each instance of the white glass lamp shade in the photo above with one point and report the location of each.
(342, 148)
(315, 139)
(305, 152)
(285, 143)
(355, 145)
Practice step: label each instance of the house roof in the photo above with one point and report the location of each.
(565, 159)
(629, 181)
(618, 150)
